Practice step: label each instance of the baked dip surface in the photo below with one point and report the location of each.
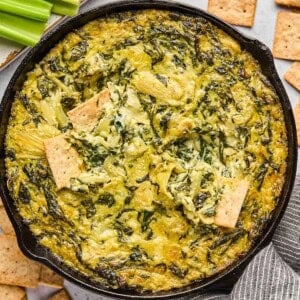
(146, 150)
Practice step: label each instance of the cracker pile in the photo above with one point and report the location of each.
(17, 271)
(287, 46)
(287, 40)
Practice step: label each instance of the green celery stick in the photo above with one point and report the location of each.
(34, 9)
(22, 30)
(74, 2)
(65, 7)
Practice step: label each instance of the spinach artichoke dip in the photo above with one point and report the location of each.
(146, 150)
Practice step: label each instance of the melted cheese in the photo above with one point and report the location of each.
(189, 110)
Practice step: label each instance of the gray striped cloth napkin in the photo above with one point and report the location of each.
(274, 273)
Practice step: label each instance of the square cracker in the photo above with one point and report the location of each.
(5, 224)
(85, 116)
(229, 207)
(50, 278)
(9, 292)
(15, 268)
(297, 119)
(61, 295)
(63, 159)
(287, 36)
(295, 3)
(237, 12)
(292, 76)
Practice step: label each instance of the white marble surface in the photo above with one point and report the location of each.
(263, 30)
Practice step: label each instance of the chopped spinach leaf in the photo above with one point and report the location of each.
(90, 207)
(106, 199)
(24, 194)
(79, 51)
(177, 271)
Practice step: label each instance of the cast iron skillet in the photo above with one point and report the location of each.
(224, 279)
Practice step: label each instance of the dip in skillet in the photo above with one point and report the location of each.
(146, 150)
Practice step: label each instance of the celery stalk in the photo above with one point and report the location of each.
(34, 9)
(22, 30)
(65, 7)
(74, 2)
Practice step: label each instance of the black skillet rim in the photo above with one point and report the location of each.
(222, 280)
